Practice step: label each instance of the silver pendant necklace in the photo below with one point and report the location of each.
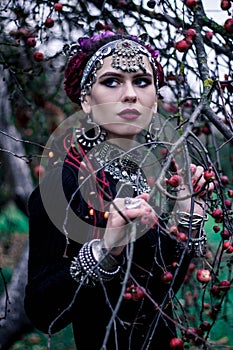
(122, 166)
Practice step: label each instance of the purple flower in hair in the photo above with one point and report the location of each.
(103, 35)
(85, 43)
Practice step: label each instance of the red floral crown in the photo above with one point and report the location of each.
(80, 56)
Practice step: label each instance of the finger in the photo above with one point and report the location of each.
(144, 196)
(198, 175)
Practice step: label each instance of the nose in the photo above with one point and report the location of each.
(129, 94)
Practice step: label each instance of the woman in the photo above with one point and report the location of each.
(101, 253)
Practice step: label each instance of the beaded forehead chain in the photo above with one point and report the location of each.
(127, 55)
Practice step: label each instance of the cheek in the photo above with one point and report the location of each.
(149, 98)
(100, 113)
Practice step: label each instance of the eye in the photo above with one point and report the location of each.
(110, 82)
(143, 82)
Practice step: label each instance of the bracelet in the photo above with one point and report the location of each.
(87, 269)
(196, 246)
(103, 255)
(186, 219)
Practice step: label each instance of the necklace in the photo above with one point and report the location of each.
(122, 166)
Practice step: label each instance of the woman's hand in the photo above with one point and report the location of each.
(116, 234)
(199, 186)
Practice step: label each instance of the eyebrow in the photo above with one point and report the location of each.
(114, 74)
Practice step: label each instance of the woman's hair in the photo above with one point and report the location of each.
(86, 48)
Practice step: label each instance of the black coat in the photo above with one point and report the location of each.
(54, 299)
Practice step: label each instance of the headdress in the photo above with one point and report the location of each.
(127, 54)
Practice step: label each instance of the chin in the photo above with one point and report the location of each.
(127, 131)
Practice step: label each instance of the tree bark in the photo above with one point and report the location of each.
(16, 321)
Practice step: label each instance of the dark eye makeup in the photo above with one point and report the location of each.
(140, 81)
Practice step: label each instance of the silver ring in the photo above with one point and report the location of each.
(129, 204)
(127, 200)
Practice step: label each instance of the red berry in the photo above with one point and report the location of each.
(225, 5)
(225, 234)
(58, 7)
(230, 193)
(224, 285)
(224, 179)
(38, 56)
(151, 4)
(209, 175)
(191, 267)
(190, 332)
(176, 343)
(174, 181)
(217, 214)
(229, 250)
(203, 275)
(166, 277)
(99, 26)
(188, 104)
(182, 45)
(171, 76)
(31, 41)
(121, 3)
(206, 130)
(140, 292)
(191, 32)
(181, 236)
(205, 326)
(209, 35)
(49, 22)
(191, 3)
(228, 203)
(226, 245)
(216, 228)
(127, 296)
(215, 291)
(228, 25)
(39, 171)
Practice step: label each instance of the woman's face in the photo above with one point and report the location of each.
(121, 102)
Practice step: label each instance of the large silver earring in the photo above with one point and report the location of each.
(91, 137)
(152, 133)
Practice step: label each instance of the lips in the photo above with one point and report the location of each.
(129, 113)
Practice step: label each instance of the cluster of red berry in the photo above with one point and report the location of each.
(134, 293)
(49, 23)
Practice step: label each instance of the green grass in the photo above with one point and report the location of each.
(12, 220)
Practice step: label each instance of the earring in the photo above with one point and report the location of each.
(152, 133)
(86, 137)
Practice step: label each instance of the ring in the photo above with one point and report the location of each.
(127, 200)
(129, 204)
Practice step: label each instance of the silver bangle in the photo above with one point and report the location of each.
(195, 246)
(188, 220)
(103, 256)
(198, 245)
(87, 269)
